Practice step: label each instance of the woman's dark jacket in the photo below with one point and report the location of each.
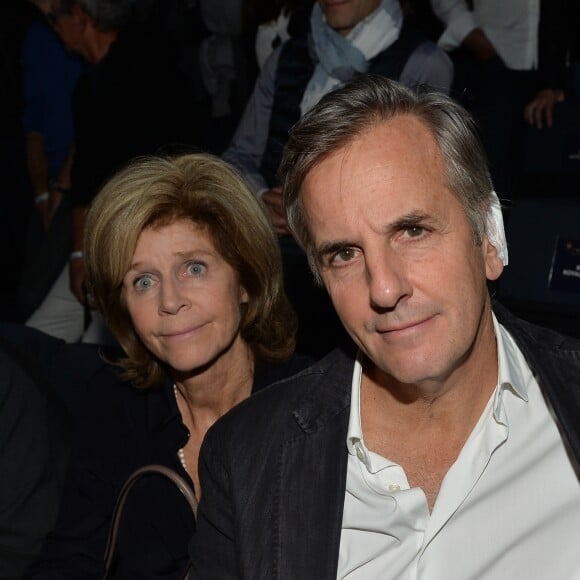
(121, 429)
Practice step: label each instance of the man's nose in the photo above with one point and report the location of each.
(387, 279)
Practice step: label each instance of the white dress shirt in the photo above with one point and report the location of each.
(510, 25)
(508, 508)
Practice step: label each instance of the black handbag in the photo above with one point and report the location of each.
(181, 484)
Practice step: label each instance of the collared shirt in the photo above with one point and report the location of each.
(511, 26)
(509, 507)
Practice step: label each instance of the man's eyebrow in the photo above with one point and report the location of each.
(408, 220)
(405, 221)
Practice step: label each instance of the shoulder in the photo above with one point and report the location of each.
(39, 35)
(41, 45)
(20, 399)
(429, 65)
(299, 403)
(114, 411)
(272, 372)
(428, 51)
(536, 338)
(107, 389)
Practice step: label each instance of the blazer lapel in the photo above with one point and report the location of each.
(555, 360)
(312, 479)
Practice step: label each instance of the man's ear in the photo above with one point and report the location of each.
(493, 262)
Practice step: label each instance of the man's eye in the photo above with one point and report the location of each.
(143, 283)
(344, 255)
(195, 268)
(415, 231)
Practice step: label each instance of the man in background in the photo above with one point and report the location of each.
(135, 102)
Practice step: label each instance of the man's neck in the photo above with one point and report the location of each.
(423, 427)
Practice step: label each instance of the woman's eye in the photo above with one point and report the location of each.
(196, 269)
(143, 283)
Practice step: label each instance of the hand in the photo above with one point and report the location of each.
(543, 104)
(77, 277)
(54, 201)
(47, 208)
(43, 209)
(479, 45)
(275, 206)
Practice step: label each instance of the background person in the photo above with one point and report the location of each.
(186, 272)
(135, 102)
(34, 447)
(509, 60)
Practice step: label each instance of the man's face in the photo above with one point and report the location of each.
(69, 26)
(344, 15)
(397, 255)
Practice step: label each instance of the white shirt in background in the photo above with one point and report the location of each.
(510, 25)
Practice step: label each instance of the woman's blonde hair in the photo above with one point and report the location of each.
(201, 188)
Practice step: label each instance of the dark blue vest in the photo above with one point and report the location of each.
(296, 67)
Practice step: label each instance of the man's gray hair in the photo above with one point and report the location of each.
(348, 112)
(109, 15)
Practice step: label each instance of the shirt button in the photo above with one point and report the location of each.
(393, 487)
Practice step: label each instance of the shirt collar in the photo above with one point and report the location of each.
(514, 374)
(354, 433)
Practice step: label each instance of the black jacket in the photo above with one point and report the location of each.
(34, 445)
(273, 470)
(120, 429)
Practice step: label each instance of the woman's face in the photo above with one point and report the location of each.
(183, 298)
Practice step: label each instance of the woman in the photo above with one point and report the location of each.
(185, 269)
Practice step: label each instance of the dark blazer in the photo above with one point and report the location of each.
(34, 445)
(273, 470)
(119, 429)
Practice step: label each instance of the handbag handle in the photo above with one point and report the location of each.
(181, 484)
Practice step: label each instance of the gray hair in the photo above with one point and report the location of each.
(345, 114)
(109, 15)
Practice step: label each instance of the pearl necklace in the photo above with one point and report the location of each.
(180, 452)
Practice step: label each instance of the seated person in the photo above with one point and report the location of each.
(185, 269)
(66, 367)
(34, 445)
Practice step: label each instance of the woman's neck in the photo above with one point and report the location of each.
(202, 398)
(216, 389)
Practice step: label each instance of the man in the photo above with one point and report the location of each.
(343, 39)
(135, 102)
(447, 446)
(50, 74)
